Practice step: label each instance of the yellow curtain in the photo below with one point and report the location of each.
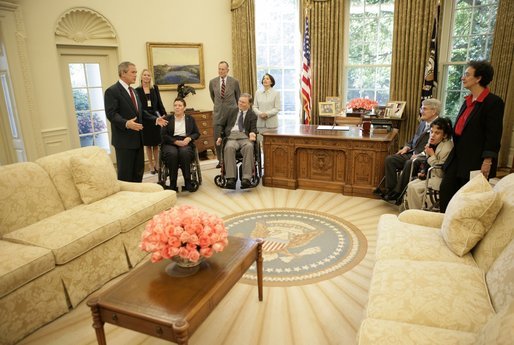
(413, 21)
(503, 81)
(326, 21)
(243, 44)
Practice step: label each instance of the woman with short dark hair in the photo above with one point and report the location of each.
(177, 144)
(477, 132)
(267, 104)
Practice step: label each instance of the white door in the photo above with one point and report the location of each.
(87, 73)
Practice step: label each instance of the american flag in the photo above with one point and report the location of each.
(306, 73)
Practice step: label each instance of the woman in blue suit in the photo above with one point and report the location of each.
(177, 144)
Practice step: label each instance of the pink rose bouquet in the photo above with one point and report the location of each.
(362, 103)
(184, 231)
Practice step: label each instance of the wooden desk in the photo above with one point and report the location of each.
(203, 120)
(150, 301)
(345, 162)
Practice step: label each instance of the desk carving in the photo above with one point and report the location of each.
(343, 162)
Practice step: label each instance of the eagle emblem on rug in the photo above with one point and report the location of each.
(286, 240)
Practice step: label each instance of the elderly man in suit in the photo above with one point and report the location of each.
(225, 92)
(125, 112)
(403, 159)
(239, 126)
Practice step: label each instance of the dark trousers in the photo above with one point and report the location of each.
(396, 162)
(176, 156)
(450, 184)
(131, 164)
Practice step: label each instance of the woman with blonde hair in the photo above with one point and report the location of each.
(151, 99)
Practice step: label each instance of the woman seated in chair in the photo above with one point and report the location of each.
(437, 150)
(177, 144)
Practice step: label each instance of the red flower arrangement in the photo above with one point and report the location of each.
(362, 103)
(184, 231)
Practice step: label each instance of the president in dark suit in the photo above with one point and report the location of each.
(225, 92)
(403, 159)
(239, 126)
(125, 112)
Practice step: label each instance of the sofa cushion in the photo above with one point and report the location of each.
(469, 215)
(133, 208)
(500, 233)
(500, 279)
(386, 332)
(94, 176)
(499, 330)
(58, 166)
(424, 243)
(27, 196)
(22, 264)
(435, 294)
(69, 234)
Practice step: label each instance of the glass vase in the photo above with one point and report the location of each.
(180, 267)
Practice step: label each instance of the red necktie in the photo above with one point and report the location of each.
(222, 87)
(133, 98)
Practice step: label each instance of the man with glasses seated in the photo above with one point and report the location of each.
(403, 159)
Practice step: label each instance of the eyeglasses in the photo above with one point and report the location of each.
(422, 109)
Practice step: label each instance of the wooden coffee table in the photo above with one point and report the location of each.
(150, 301)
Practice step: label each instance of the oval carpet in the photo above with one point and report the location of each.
(300, 246)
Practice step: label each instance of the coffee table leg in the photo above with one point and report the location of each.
(180, 329)
(98, 324)
(258, 260)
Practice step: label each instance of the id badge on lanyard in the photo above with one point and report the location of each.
(149, 103)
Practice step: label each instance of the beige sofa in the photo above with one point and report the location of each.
(427, 289)
(67, 226)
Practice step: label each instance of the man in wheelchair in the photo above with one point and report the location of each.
(238, 127)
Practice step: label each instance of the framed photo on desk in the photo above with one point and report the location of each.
(394, 109)
(326, 108)
(337, 101)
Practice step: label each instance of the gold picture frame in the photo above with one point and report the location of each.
(326, 108)
(172, 64)
(337, 100)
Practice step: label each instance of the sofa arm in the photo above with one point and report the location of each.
(423, 218)
(144, 187)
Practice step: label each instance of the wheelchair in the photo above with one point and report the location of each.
(430, 197)
(221, 181)
(196, 173)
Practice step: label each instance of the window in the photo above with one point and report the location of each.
(88, 100)
(277, 39)
(472, 29)
(369, 50)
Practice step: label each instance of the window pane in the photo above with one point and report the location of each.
(102, 140)
(81, 99)
(77, 76)
(84, 122)
(86, 140)
(97, 98)
(99, 121)
(93, 75)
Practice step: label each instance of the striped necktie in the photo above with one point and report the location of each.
(133, 97)
(240, 122)
(222, 87)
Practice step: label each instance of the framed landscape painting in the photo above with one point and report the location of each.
(172, 64)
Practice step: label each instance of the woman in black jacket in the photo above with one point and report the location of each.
(477, 132)
(177, 143)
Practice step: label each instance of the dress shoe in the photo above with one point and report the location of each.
(153, 172)
(378, 192)
(245, 183)
(218, 166)
(188, 186)
(393, 196)
(231, 183)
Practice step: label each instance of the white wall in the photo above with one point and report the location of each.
(194, 21)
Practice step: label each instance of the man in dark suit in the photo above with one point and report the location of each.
(125, 112)
(239, 126)
(225, 92)
(403, 159)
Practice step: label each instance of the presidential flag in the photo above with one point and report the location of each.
(306, 74)
(430, 80)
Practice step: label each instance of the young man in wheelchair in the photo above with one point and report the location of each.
(238, 126)
(437, 150)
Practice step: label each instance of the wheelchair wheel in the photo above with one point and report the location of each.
(194, 186)
(255, 180)
(163, 176)
(220, 181)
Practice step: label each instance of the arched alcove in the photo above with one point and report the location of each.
(83, 26)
